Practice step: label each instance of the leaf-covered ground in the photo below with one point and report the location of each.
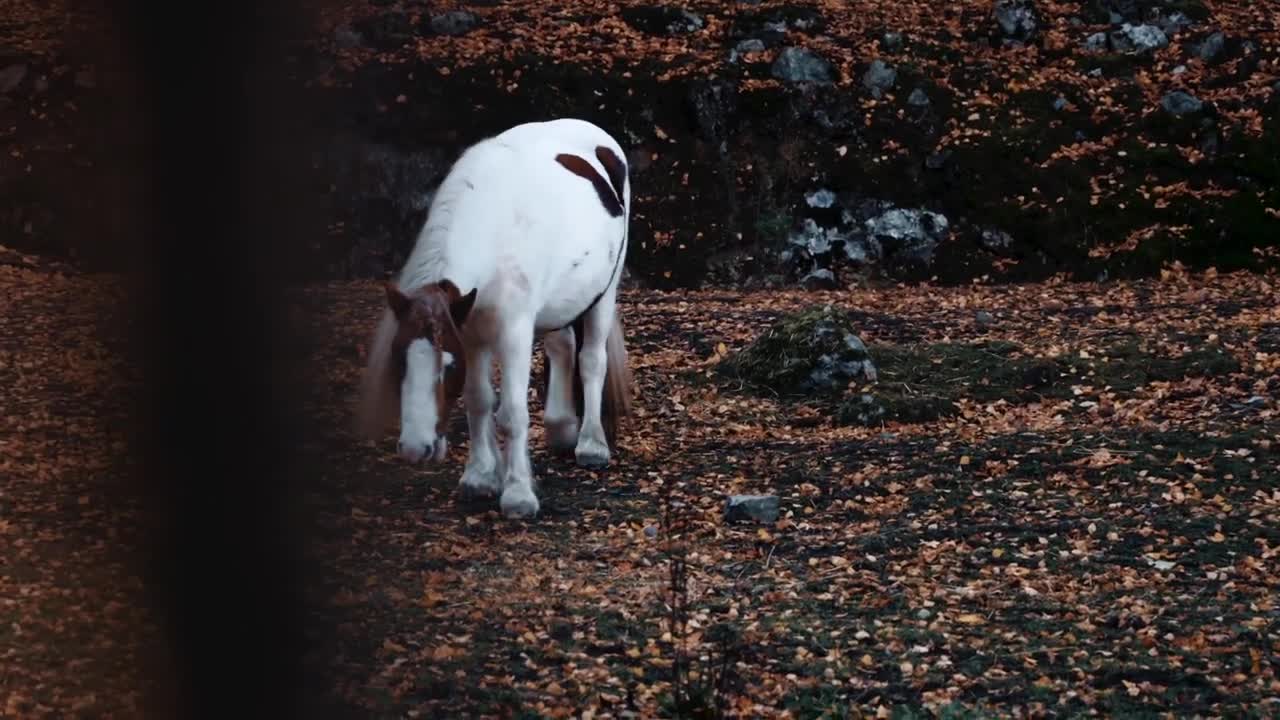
(72, 624)
(1106, 550)
(1111, 550)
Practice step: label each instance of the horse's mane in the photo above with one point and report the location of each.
(378, 402)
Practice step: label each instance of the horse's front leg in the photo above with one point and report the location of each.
(482, 477)
(559, 418)
(515, 354)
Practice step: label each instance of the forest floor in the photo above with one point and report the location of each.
(1112, 549)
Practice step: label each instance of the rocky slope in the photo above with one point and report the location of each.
(771, 142)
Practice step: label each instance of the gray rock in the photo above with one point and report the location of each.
(819, 279)
(815, 239)
(855, 345)
(1212, 47)
(1174, 22)
(984, 318)
(892, 41)
(806, 22)
(1096, 72)
(1096, 42)
(746, 47)
(1138, 38)
(1181, 103)
(752, 508)
(821, 198)
(834, 373)
(1016, 19)
(11, 77)
(995, 240)
(1060, 104)
(908, 233)
(918, 98)
(801, 65)
(1179, 70)
(663, 20)
(857, 251)
(650, 531)
(454, 22)
(879, 78)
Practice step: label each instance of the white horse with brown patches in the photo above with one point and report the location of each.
(525, 237)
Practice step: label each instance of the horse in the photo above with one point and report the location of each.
(524, 238)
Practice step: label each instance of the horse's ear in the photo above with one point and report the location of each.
(396, 300)
(451, 290)
(461, 307)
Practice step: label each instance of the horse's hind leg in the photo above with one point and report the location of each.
(515, 351)
(593, 447)
(559, 419)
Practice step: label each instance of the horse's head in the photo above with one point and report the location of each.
(430, 365)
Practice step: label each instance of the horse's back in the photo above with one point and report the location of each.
(521, 225)
(570, 134)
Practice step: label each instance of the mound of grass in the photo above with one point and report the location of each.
(815, 355)
(814, 350)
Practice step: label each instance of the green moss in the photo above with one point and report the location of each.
(772, 226)
(921, 383)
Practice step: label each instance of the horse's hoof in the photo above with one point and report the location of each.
(476, 485)
(562, 436)
(591, 454)
(518, 503)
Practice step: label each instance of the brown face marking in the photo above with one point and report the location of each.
(578, 166)
(434, 312)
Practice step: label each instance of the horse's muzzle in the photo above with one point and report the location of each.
(433, 451)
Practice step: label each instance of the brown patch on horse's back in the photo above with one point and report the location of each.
(616, 168)
(579, 166)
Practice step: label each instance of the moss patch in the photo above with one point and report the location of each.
(802, 354)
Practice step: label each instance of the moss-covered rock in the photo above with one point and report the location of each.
(815, 350)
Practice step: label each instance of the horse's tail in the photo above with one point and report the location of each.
(617, 383)
(378, 404)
